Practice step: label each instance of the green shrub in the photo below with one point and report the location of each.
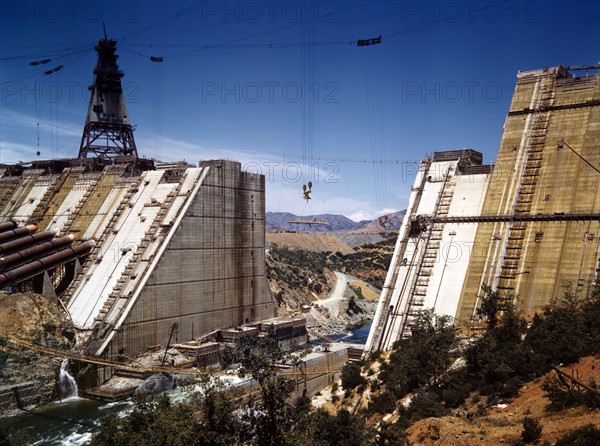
(424, 405)
(351, 377)
(532, 430)
(587, 435)
(455, 395)
(562, 398)
(383, 403)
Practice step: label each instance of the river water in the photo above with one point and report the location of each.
(358, 336)
(72, 421)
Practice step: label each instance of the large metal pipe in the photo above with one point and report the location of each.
(18, 232)
(35, 251)
(6, 225)
(28, 240)
(45, 263)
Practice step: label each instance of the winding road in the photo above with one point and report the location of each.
(332, 301)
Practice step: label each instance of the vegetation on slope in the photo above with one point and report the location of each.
(301, 282)
(437, 368)
(426, 367)
(499, 362)
(298, 268)
(296, 275)
(369, 262)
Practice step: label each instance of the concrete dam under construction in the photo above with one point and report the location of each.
(132, 247)
(524, 226)
(142, 253)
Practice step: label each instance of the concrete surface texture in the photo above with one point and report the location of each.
(179, 250)
(526, 226)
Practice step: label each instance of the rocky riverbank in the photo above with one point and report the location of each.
(29, 378)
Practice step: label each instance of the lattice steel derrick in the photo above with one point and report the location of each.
(107, 133)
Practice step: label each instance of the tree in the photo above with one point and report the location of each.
(492, 305)
(424, 404)
(351, 377)
(587, 435)
(219, 424)
(271, 417)
(209, 418)
(532, 430)
(391, 434)
(432, 335)
(152, 422)
(342, 429)
(559, 335)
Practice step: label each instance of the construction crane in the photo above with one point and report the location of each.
(308, 222)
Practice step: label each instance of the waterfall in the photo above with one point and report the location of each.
(67, 387)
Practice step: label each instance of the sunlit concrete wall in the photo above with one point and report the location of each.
(178, 246)
(551, 253)
(212, 272)
(429, 266)
(535, 174)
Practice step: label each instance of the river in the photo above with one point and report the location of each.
(72, 422)
(358, 336)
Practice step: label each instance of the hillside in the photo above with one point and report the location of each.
(280, 222)
(33, 374)
(512, 380)
(303, 285)
(300, 266)
(475, 422)
(309, 242)
(369, 262)
(502, 424)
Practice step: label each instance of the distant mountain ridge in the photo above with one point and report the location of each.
(280, 222)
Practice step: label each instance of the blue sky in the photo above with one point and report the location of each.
(282, 86)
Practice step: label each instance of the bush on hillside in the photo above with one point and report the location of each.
(587, 435)
(532, 430)
(351, 377)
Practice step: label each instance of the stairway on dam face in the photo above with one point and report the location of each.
(430, 254)
(18, 198)
(384, 313)
(46, 200)
(136, 258)
(517, 232)
(56, 207)
(125, 235)
(95, 196)
(132, 188)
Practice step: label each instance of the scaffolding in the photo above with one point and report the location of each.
(418, 291)
(510, 263)
(385, 308)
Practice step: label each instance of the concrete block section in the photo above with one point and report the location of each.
(525, 227)
(211, 273)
